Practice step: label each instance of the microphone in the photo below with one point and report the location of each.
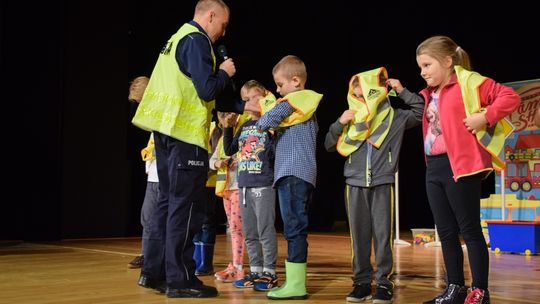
(222, 51)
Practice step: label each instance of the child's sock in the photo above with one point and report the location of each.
(257, 269)
(238, 267)
(269, 270)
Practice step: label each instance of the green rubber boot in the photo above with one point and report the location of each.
(294, 287)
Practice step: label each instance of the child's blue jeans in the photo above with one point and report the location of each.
(294, 197)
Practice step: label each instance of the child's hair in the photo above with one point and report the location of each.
(291, 66)
(439, 47)
(136, 89)
(253, 84)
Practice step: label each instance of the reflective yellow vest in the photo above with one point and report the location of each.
(211, 181)
(490, 138)
(373, 116)
(222, 175)
(304, 102)
(222, 178)
(170, 104)
(267, 102)
(147, 152)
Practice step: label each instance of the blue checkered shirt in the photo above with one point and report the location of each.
(296, 145)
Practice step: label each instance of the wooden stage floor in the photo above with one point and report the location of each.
(95, 271)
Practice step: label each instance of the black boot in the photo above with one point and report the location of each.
(147, 282)
(452, 294)
(206, 267)
(199, 291)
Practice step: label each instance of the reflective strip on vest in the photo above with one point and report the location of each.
(490, 138)
(170, 104)
(374, 114)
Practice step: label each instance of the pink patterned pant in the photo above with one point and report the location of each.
(231, 203)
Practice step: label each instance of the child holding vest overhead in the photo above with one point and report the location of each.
(295, 171)
(227, 188)
(370, 135)
(464, 134)
(257, 196)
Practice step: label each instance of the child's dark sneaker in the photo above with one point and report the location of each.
(360, 293)
(383, 294)
(452, 294)
(247, 281)
(266, 281)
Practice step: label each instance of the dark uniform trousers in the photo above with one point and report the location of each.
(182, 171)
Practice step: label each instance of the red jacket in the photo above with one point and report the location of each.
(466, 155)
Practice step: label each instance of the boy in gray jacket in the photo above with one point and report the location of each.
(370, 134)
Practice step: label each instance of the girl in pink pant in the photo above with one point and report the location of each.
(226, 167)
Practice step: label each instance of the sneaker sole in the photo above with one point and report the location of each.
(264, 289)
(358, 300)
(243, 286)
(225, 280)
(379, 301)
(289, 298)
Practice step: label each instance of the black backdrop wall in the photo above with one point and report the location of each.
(71, 156)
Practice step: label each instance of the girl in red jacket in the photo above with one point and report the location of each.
(463, 109)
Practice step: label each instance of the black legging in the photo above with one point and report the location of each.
(456, 208)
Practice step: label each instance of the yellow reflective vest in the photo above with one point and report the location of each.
(147, 152)
(223, 174)
(373, 116)
(170, 104)
(267, 102)
(490, 138)
(304, 102)
(211, 181)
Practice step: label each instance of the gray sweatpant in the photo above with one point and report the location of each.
(258, 209)
(370, 213)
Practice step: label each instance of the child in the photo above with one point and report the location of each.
(465, 109)
(227, 187)
(370, 134)
(136, 91)
(257, 197)
(295, 170)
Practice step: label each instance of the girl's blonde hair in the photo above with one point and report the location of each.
(291, 66)
(137, 87)
(439, 47)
